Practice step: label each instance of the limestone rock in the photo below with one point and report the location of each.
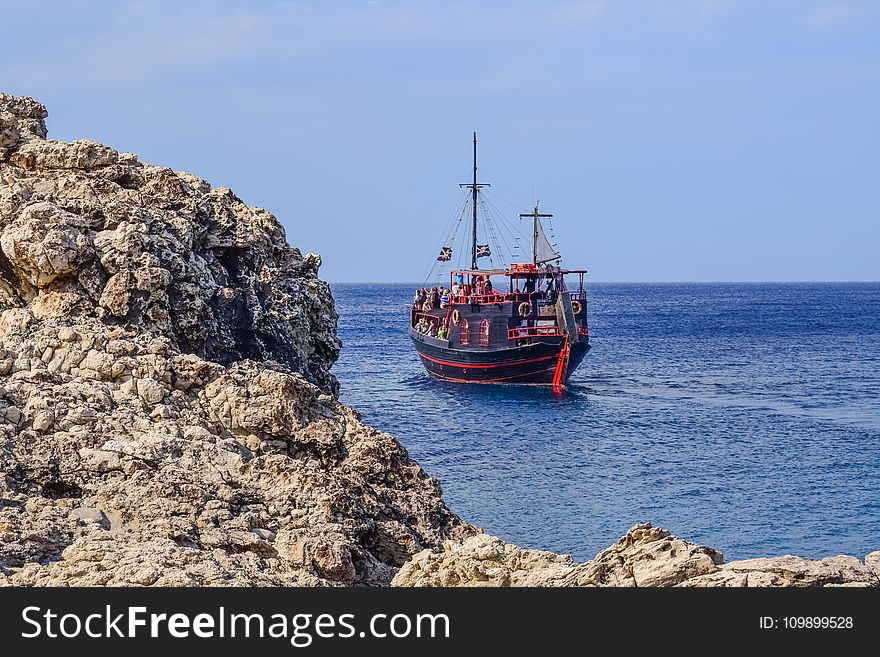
(790, 571)
(167, 412)
(482, 561)
(88, 233)
(83, 154)
(645, 556)
(44, 243)
(649, 556)
(21, 119)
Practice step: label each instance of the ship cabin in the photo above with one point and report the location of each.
(480, 311)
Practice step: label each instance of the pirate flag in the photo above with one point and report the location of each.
(445, 254)
(483, 250)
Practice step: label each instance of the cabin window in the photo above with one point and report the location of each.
(484, 333)
(464, 333)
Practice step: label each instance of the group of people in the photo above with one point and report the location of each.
(436, 329)
(427, 300)
(435, 298)
(483, 286)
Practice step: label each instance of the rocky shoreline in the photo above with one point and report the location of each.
(645, 556)
(168, 415)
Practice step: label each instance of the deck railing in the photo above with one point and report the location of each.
(533, 331)
(495, 297)
(541, 331)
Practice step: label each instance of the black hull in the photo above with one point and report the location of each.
(534, 363)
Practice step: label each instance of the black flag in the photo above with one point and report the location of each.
(483, 250)
(445, 254)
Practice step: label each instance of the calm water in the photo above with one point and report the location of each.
(741, 416)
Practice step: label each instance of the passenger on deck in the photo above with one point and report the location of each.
(432, 331)
(444, 298)
(488, 286)
(456, 289)
(441, 332)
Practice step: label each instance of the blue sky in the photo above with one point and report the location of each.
(689, 140)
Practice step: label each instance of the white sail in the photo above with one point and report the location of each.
(544, 251)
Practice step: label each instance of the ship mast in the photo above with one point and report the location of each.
(475, 187)
(536, 216)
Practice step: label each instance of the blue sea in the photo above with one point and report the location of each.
(745, 417)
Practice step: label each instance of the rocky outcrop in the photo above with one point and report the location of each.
(167, 411)
(483, 560)
(21, 120)
(645, 556)
(790, 571)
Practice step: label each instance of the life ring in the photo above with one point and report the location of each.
(576, 307)
(456, 317)
(525, 309)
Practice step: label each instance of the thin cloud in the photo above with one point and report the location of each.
(586, 12)
(839, 14)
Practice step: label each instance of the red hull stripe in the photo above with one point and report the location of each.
(480, 366)
(498, 380)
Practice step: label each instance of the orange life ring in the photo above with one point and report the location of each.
(525, 309)
(576, 307)
(456, 317)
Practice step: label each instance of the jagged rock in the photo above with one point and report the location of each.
(44, 243)
(484, 560)
(645, 556)
(167, 412)
(790, 571)
(83, 154)
(89, 234)
(649, 556)
(21, 119)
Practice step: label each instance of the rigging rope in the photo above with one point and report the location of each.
(448, 235)
(512, 230)
(496, 225)
(491, 240)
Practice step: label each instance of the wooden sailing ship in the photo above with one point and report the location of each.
(517, 323)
